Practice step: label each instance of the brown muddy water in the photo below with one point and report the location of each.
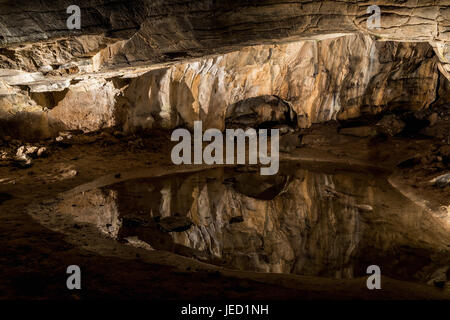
(312, 221)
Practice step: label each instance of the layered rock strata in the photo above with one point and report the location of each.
(338, 78)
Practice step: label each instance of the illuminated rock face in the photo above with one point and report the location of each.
(140, 64)
(320, 80)
(299, 221)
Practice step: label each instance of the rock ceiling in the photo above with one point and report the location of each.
(122, 34)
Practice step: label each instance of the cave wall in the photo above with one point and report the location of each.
(322, 80)
(162, 64)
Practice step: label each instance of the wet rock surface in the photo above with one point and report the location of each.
(365, 131)
(302, 222)
(32, 251)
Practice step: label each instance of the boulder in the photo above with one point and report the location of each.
(21, 154)
(439, 277)
(390, 125)
(25, 153)
(42, 152)
(433, 118)
(441, 181)
(290, 142)
(364, 207)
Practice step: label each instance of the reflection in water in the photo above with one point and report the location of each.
(299, 221)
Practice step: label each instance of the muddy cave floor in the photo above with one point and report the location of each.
(34, 259)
